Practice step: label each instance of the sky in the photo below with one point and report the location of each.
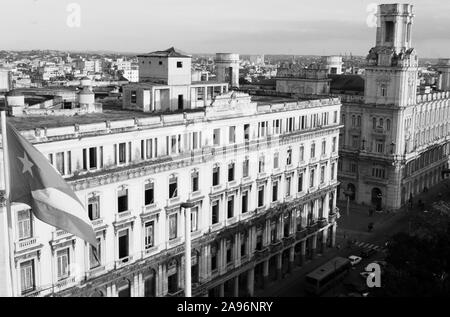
(300, 27)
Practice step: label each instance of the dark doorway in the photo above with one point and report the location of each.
(351, 189)
(377, 199)
(180, 102)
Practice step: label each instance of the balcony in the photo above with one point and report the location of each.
(26, 244)
(313, 227)
(61, 234)
(260, 254)
(323, 222)
(332, 217)
(124, 261)
(65, 283)
(124, 216)
(287, 241)
(276, 246)
(299, 235)
(98, 223)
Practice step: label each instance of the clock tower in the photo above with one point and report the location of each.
(392, 65)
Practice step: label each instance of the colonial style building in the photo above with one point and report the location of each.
(395, 140)
(261, 171)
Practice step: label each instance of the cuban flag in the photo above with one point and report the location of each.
(33, 181)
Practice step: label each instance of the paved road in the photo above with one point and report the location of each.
(293, 285)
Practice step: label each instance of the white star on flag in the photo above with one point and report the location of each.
(27, 165)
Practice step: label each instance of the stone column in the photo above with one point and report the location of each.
(141, 285)
(113, 290)
(135, 285)
(314, 246)
(265, 273)
(222, 290)
(279, 259)
(236, 286)
(108, 291)
(333, 235)
(291, 259)
(303, 252)
(237, 249)
(251, 282)
(323, 246)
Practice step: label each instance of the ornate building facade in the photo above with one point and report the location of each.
(395, 142)
(261, 173)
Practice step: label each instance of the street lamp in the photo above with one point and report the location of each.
(187, 248)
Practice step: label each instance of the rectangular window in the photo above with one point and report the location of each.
(27, 279)
(173, 187)
(230, 207)
(94, 207)
(300, 182)
(355, 142)
(273, 232)
(289, 157)
(275, 160)
(333, 147)
(149, 232)
(195, 143)
(214, 261)
(246, 132)
(95, 261)
(335, 115)
(302, 153)
(352, 167)
(232, 134)
(313, 150)
(179, 64)
(123, 244)
(231, 172)
(194, 219)
(245, 202)
(229, 246)
(245, 168)
(93, 158)
(261, 196)
(215, 212)
(133, 96)
(324, 148)
(173, 225)
(243, 245)
(216, 175)
(216, 137)
(261, 165)
(60, 163)
(275, 191)
(149, 194)
(333, 166)
(380, 147)
(311, 178)
(173, 144)
(24, 224)
(122, 200)
(195, 182)
(122, 153)
(322, 174)
(288, 186)
(62, 258)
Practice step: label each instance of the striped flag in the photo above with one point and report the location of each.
(33, 181)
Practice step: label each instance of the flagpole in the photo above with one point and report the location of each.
(8, 204)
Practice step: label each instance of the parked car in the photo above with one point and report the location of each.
(354, 260)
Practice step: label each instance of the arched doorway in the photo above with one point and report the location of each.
(377, 199)
(351, 189)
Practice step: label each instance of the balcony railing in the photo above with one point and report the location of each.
(123, 261)
(25, 244)
(123, 216)
(65, 283)
(323, 222)
(61, 234)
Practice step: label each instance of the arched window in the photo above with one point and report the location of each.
(353, 121)
(381, 122)
(359, 121)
